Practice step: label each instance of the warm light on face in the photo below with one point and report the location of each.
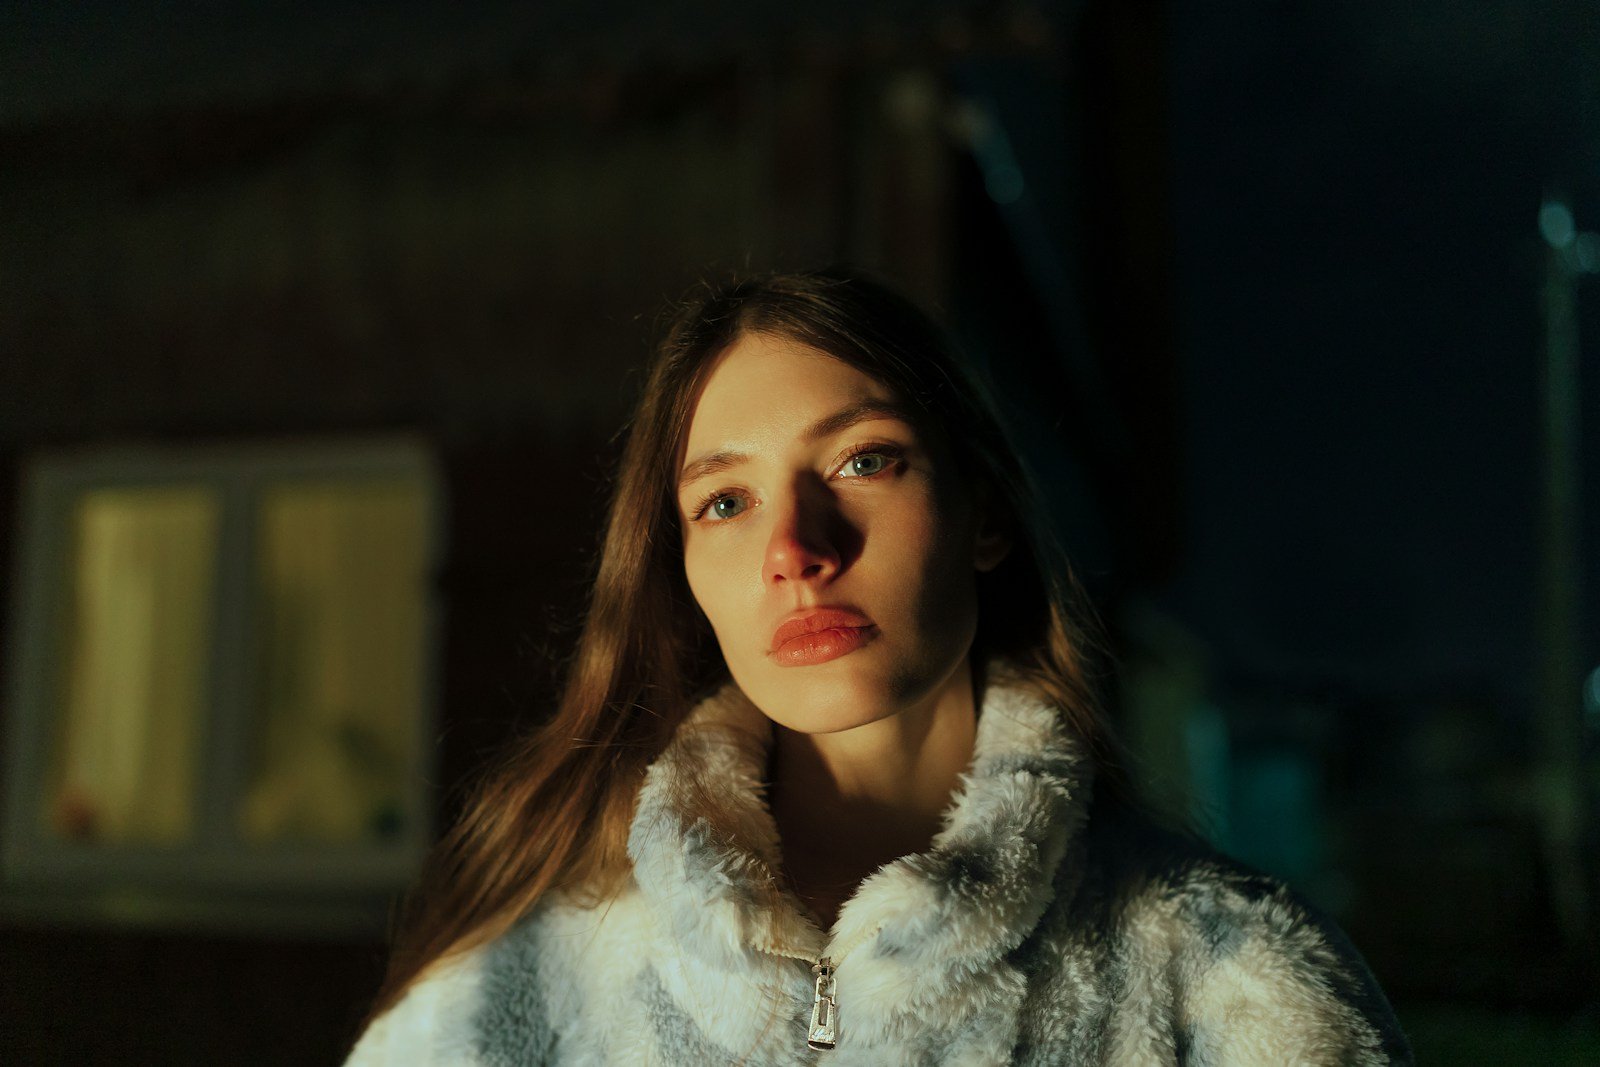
(831, 547)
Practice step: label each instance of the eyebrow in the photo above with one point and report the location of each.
(827, 426)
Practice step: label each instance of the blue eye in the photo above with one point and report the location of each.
(719, 506)
(865, 465)
(725, 506)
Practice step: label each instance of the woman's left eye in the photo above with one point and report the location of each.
(865, 465)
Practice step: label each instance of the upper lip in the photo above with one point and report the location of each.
(812, 620)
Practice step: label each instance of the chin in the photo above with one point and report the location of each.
(829, 697)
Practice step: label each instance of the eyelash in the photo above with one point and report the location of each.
(893, 454)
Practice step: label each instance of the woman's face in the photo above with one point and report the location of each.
(832, 547)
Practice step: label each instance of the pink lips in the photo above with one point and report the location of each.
(819, 635)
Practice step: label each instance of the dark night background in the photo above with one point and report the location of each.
(1264, 285)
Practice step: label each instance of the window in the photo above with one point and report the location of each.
(220, 706)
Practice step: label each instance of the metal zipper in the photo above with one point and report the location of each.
(823, 1033)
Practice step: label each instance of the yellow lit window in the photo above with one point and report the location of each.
(221, 694)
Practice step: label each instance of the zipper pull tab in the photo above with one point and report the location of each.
(823, 1033)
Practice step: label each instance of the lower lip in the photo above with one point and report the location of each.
(809, 649)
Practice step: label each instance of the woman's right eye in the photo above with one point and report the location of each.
(723, 506)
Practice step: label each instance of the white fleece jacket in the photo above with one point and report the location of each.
(1030, 933)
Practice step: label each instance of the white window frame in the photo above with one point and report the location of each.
(215, 879)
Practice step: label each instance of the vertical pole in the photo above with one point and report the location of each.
(1560, 778)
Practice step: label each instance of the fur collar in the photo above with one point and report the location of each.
(923, 937)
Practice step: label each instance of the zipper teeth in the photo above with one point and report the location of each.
(837, 956)
(850, 946)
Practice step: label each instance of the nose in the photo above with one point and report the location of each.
(803, 545)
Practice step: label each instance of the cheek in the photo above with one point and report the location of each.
(948, 590)
(948, 585)
(940, 527)
(710, 575)
(696, 574)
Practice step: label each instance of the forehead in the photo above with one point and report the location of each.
(764, 390)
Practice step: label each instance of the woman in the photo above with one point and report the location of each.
(830, 680)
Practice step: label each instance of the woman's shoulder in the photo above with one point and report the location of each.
(1256, 964)
(498, 1002)
(431, 1023)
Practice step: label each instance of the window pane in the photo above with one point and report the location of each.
(126, 759)
(340, 632)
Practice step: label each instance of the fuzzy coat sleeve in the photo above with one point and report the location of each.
(431, 1026)
(1166, 951)
(1217, 964)
(1275, 982)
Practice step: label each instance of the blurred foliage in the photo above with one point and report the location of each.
(1457, 1036)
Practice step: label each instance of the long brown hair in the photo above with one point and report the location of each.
(554, 810)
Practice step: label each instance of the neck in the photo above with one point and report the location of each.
(847, 803)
